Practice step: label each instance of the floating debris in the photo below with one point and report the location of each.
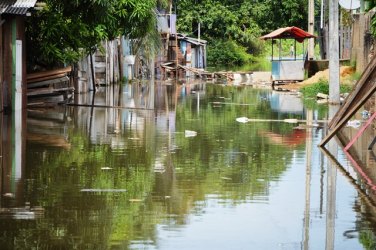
(242, 119)
(322, 96)
(245, 119)
(226, 178)
(190, 133)
(106, 168)
(291, 120)
(135, 200)
(159, 168)
(354, 124)
(9, 195)
(133, 138)
(365, 114)
(94, 190)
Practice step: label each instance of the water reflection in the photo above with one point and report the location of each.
(165, 166)
(14, 205)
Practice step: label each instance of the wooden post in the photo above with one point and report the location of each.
(120, 59)
(92, 72)
(176, 55)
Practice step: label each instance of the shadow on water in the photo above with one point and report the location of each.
(164, 166)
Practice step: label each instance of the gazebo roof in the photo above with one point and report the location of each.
(288, 32)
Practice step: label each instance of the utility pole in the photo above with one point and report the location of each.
(311, 29)
(333, 53)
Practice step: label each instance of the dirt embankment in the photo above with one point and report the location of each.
(345, 78)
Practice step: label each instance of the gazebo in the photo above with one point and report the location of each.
(290, 68)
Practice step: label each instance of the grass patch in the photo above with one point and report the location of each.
(356, 76)
(322, 86)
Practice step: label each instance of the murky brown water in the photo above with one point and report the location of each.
(176, 169)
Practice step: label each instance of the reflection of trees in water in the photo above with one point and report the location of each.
(81, 220)
(231, 161)
(236, 162)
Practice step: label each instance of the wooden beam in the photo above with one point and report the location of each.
(348, 115)
(42, 79)
(365, 82)
(48, 73)
(48, 82)
(48, 91)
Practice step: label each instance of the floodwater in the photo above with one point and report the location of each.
(198, 166)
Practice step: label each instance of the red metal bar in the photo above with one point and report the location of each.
(360, 132)
(359, 169)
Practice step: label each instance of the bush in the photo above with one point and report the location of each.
(322, 86)
(227, 53)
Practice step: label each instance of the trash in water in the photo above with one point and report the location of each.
(365, 114)
(354, 124)
(291, 120)
(9, 195)
(226, 178)
(103, 190)
(190, 133)
(135, 200)
(242, 119)
(106, 168)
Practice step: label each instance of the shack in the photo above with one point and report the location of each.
(192, 51)
(183, 55)
(288, 68)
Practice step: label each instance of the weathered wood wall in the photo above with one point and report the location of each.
(105, 69)
(362, 42)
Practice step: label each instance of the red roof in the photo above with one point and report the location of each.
(288, 32)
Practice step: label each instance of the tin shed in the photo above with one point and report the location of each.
(289, 68)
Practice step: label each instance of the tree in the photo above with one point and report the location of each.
(241, 22)
(65, 30)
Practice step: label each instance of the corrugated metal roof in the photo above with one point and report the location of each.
(5, 4)
(192, 40)
(18, 7)
(288, 32)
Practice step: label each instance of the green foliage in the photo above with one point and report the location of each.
(371, 5)
(311, 90)
(356, 76)
(368, 239)
(227, 53)
(66, 30)
(242, 22)
(322, 86)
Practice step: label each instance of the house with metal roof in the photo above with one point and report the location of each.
(183, 55)
(13, 52)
